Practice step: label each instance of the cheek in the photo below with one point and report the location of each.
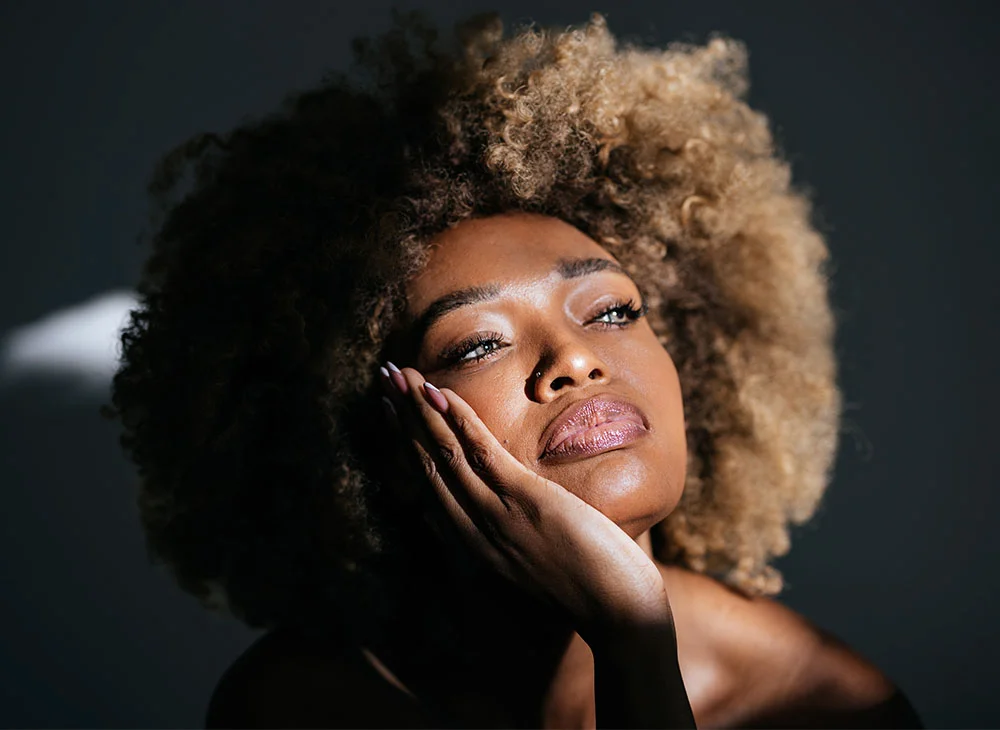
(652, 374)
(498, 400)
(663, 390)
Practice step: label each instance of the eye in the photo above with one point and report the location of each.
(620, 314)
(474, 349)
(484, 345)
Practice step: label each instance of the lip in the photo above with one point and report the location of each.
(592, 426)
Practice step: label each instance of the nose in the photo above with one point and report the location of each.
(568, 365)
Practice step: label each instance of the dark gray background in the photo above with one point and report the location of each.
(889, 114)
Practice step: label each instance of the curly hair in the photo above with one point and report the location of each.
(277, 278)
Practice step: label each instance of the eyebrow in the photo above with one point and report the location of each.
(566, 268)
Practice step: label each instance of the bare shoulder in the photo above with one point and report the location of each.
(284, 680)
(771, 666)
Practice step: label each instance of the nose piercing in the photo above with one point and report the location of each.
(538, 374)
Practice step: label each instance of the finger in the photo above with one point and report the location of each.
(487, 457)
(387, 405)
(479, 511)
(400, 395)
(397, 404)
(404, 423)
(397, 377)
(386, 381)
(412, 409)
(416, 454)
(451, 457)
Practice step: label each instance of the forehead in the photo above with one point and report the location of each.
(495, 250)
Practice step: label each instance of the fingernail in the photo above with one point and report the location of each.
(385, 373)
(397, 378)
(435, 397)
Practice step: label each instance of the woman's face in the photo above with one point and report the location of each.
(539, 330)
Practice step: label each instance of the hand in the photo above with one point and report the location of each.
(533, 531)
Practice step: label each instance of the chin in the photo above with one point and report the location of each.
(632, 492)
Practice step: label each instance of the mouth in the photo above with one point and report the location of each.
(593, 426)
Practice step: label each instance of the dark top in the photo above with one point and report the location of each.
(286, 680)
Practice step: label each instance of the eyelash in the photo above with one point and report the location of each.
(454, 356)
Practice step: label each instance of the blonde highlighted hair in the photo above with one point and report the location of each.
(275, 285)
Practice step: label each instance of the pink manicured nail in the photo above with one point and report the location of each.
(435, 397)
(397, 378)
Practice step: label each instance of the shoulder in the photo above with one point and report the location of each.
(771, 666)
(285, 680)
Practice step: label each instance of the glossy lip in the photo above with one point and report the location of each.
(593, 426)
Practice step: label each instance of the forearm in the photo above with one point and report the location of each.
(637, 679)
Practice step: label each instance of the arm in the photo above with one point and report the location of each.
(774, 667)
(840, 688)
(895, 711)
(808, 678)
(637, 679)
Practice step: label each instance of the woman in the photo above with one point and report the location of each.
(595, 316)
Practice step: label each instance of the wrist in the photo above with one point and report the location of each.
(622, 639)
(637, 623)
(637, 678)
